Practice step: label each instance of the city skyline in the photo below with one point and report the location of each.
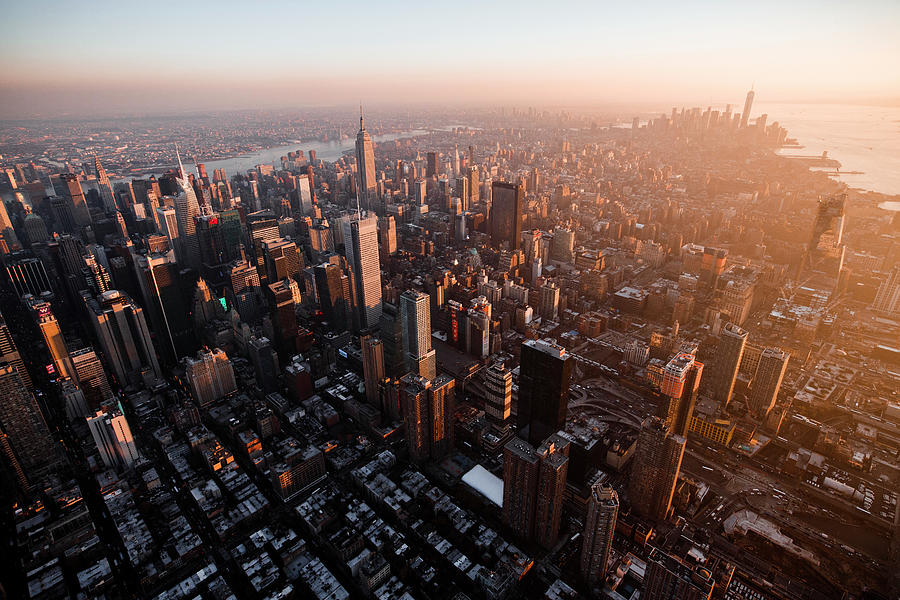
(577, 54)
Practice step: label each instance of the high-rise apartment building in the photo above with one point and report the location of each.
(767, 382)
(599, 529)
(680, 385)
(415, 312)
(533, 486)
(113, 438)
(730, 351)
(210, 376)
(428, 406)
(544, 375)
(655, 468)
(361, 250)
(506, 214)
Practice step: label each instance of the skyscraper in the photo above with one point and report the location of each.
(365, 166)
(24, 437)
(680, 384)
(391, 333)
(91, 377)
(498, 393)
(599, 529)
(825, 252)
(387, 232)
(769, 375)
(106, 192)
(53, 337)
(533, 485)
(887, 299)
(506, 214)
(9, 354)
(187, 210)
(210, 376)
(125, 341)
(74, 198)
(113, 438)
(748, 104)
(415, 311)
(335, 295)
(554, 466)
(361, 250)
(543, 390)
(428, 408)
(373, 367)
(732, 340)
(159, 280)
(655, 469)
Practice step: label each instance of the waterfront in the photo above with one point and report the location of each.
(861, 138)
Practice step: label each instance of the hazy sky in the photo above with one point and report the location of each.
(111, 56)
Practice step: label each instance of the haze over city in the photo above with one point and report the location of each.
(127, 57)
(413, 301)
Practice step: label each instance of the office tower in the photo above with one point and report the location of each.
(24, 437)
(712, 265)
(9, 353)
(476, 334)
(887, 299)
(680, 383)
(432, 169)
(387, 235)
(167, 223)
(428, 408)
(74, 400)
(554, 465)
(748, 104)
(74, 198)
(373, 367)
(549, 301)
(187, 210)
(732, 341)
(365, 166)
(265, 363)
(654, 471)
(668, 577)
(8, 239)
(210, 376)
(533, 483)
(305, 194)
(106, 191)
(28, 276)
(96, 275)
(125, 341)
(159, 280)
(284, 314)
(281, 259)
(462, 192)
(245, 292)
(391, 334)
(361, 249)
(53, 338)
(474, 187)
(769, 375)
(506, 214)
(544, 375)
(415, 311)
(599, 529)
(112, 435)
(91, 377)
(35, 229)
(498, 393)
(335, 296)
(825, 253)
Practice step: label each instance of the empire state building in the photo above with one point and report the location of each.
(365, 166)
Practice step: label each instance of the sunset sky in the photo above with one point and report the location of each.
(107, 57)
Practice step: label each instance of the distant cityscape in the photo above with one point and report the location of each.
(493, 353)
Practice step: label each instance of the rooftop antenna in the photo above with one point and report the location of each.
(361, 124)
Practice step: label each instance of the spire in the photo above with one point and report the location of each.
(180, 166)
(362, 125)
